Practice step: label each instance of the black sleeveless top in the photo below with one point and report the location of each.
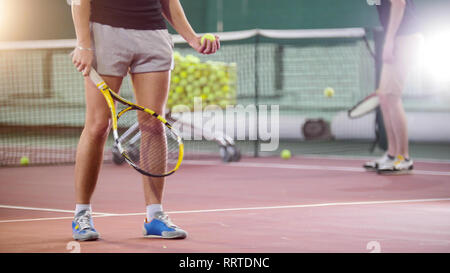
(132, 14)
(410, 22)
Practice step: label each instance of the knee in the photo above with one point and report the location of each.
(97, 129)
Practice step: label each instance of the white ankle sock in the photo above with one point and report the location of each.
(80, 207)
(152, 209)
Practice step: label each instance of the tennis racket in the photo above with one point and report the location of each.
(365, 106)
(159, 152)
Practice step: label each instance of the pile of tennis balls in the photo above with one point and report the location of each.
(214, 82)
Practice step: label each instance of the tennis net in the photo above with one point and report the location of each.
(42, 105)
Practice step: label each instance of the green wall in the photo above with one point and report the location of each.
(278, 14)
(288, 14)
(51, 19)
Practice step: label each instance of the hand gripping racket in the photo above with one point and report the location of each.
(365, 106)
(160, 150)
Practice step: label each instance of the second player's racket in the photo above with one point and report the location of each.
(159, 151)
(365, 106)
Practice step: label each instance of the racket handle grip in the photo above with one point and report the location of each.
(95, 77)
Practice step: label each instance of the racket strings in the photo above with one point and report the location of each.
(365, 106)
(151, 146)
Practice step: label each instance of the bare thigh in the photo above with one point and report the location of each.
(151, 89)
(98, 114)
(394, 75)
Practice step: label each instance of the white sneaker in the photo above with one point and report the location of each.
(398, 166)
(387, 166)
(374, 164)
(403, 165)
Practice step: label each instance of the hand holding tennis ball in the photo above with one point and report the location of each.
(207, 36)
(209, 44)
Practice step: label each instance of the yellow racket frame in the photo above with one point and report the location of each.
(110, 97)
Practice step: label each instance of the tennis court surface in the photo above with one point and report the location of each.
(319, 200)
(305, 204)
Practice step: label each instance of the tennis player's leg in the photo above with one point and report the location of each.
(391, 87)
(89, 156)
(389, 157)
(408, 49)
(111, 57)
(394, 116)
(388, 82)
(387, 95)
(151, 91)
(150, 73)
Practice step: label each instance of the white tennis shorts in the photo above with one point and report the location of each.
(118, 51)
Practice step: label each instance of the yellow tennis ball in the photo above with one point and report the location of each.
(206, 90)
(285, 154)
(208, 36)
(328, 92)
(24, 161)
(179, 89)
(175, 79)
(192, 59)
(183, 74)
(189, 88)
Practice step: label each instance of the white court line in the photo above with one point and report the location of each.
(45, 209)
(431, 173)
(300, 167)
(355, 158)
(53, 218)
(299, 206)
(35, 219)
(380, 202)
